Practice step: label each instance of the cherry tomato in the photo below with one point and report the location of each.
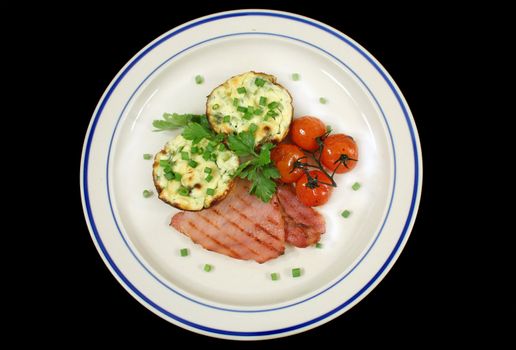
(311, 192)
(284, 156)
(305, 130)
(339, 152)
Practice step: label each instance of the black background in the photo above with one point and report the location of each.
(424, 294)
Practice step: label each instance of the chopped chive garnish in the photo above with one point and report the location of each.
(345, 214)
(195, 149)
(295, 76)
(170, 176)
(210, 191)
(177, 177)
(250, 109)
(208, 267)
(318, 245)
(296, 272)
(322, 100)
(247, 116)
(147, 193)
(215, 106)
(226, 119)
(258, 111)
(164, 163)
(213, 156)
(273, 105)
(235, 101)
(274, 276)
(147, 156)
(210, 148)
(199, 79)
(209, 178)
(167, 169)
(241, 109)
(259, 82)
(208, 170)
(356, 186)
(222, 147)
(183, 252)
(192, 163)
(263, 100)
(183, 191)
(241, 90)
(206, 155)
(185, 156)
(272, 114)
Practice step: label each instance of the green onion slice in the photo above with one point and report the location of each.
(199, 79)
(296, 272)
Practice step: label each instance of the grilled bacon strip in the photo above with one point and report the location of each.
(303, 225)
(241, 226)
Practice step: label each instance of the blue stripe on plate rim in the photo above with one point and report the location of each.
(314, 320)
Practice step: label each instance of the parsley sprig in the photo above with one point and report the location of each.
(258, 168)
(173, 121)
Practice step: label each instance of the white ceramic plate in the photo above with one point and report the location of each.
(238, 300)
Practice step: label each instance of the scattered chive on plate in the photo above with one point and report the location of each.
(199, 79)
(296, 272)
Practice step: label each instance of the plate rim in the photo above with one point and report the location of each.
(378, 276)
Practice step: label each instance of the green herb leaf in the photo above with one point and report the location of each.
(262, 187)
(259, 169)
(264, 157)
(196, 132)
(172, 121)
(242, 144)
(241, 168)
(271, 171)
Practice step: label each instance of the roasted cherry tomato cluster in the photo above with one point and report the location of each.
(314, 158)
